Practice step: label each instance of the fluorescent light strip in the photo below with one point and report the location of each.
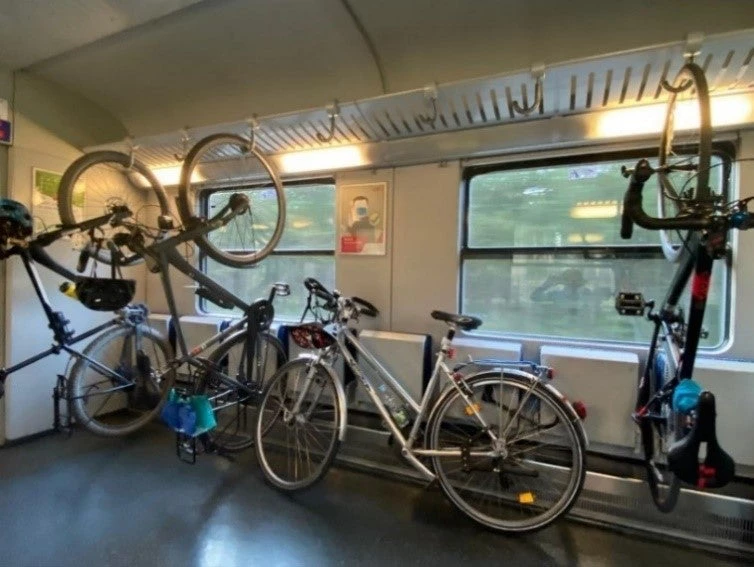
(725, 110)
(326, 159)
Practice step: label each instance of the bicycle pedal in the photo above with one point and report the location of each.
(630, 303)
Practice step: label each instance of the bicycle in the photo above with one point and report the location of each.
(107, 399)
(673, 414)
(507, 449)
(111, 178)
(233, 375)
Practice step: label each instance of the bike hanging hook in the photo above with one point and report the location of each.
(691, 50)
(430, 97)
(132, 149)
(185, 139)
(253, 127)
(538, 74)
(333, 111)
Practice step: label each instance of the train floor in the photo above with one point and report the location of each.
(93, 501)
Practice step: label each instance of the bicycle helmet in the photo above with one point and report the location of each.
(15, 220)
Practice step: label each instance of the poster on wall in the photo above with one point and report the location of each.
(362, 219)
(6, 128)
(45, 186)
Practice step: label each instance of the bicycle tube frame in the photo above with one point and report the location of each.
(62, 342)
(696, 265)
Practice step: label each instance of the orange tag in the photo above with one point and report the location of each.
(526, 498)
(470, 409)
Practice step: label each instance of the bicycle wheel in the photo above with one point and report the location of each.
(526, 479)
(98, 181)
(664, 486)
(684, 160)
(113, 390)
(297, 431)
(235, 409)
(227, 160)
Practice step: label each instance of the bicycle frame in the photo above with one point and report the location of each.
(162, 255)
(63, 337)
(696, 265)
(346, 339)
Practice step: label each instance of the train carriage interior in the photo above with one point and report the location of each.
(326, 282)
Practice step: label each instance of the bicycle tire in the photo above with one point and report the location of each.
(261, 219)
(86, 403)
(275, 421)
(235, 428)
(674, 197)
(508, 500)
(107, 178)
(666, 489)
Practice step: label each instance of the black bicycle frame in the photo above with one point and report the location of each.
(164, 254)
(63, 336)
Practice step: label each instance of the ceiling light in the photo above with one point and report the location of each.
(320, 160)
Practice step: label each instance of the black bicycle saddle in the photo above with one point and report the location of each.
(718, 468)
(465, 322)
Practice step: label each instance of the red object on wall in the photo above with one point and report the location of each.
(5, 131)
(351, 244)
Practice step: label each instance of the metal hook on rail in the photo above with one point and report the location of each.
(333, 111)
(185, 139)
(538, 74)
(132, 149)
(253, 127)
(693, 48)
(430, 96)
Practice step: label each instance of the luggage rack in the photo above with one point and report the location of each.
(571, 88)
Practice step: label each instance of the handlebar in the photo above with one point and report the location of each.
(116, 216)
(633, 212)
(279, 288)
(335, 301)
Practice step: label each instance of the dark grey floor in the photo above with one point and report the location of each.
(89, 501)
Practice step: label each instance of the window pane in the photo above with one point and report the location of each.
(264, 211)
(255, 283)
(569, 296)
(556, 205)
(310, 218)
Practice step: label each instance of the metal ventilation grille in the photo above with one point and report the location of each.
(570, 88)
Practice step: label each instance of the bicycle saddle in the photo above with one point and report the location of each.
(465, 322)
(718, 468)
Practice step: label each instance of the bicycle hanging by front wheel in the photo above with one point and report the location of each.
(514, 452)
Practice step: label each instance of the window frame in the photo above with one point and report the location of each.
(207, 192)
(724, 149)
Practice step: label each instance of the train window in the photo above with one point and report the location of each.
(542, 255)
(306, 249)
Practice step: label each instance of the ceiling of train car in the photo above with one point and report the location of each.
(35, 30)
(159, 65)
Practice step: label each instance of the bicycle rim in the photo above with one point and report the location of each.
(539, 473)
(235, 410)
(228, 161)
(295, 449)
(98, 181)
(685, 147)
(104, 404)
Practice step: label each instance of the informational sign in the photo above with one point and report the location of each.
(6, 129)
(45, 186)
(362, 219)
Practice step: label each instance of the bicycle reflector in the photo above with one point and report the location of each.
(580, 409)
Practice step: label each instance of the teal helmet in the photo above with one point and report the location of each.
(15, 220)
